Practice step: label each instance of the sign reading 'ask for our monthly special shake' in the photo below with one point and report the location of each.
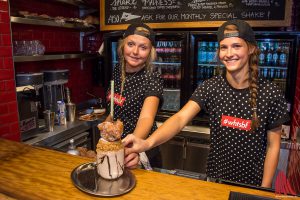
(117, 14)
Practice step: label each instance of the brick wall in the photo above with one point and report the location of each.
(9, 126)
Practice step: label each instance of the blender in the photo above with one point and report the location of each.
(28, 97)
(54, 89)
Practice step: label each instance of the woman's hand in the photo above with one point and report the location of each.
(132, 160)
(134, 144)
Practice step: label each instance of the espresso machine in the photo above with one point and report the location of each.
(54, 88)
(29, 102)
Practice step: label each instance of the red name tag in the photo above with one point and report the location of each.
(118, 99)
(234, 122)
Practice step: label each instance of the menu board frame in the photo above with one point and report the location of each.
(196, 24)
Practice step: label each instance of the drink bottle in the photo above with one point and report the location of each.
(269, 76)
(210, 71)
(168, 57)
(178, 49)
(202, 52)
(199, 75)
(61, 112)
(276, 74)
(269, 55)
(215, 52)
(282, 74)
(275, 56)
(163, 51)
(283, 56)
(114, 51)
(210, 52)
(158, 51)
(261, 55)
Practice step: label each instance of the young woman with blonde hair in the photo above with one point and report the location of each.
(138, 90)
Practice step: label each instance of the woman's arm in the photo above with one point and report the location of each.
(147, 117)
(165, 132)
(272, 156)
(174, 124)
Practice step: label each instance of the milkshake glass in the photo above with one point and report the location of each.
(110, 159)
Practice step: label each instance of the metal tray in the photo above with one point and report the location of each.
(86, 179)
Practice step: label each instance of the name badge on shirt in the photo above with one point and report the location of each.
(234, 122)
(118, 99)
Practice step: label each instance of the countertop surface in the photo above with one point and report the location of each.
(30, 172)
(70, 126)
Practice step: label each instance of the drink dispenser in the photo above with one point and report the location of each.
(28, 85)
(54, 88)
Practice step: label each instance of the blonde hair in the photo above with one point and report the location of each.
(252, 78)
(148, 64)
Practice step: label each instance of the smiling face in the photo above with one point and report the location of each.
(234, 54)
(136, 51)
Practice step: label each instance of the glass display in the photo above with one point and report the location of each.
(114, 53)
(207, 65)
(168, 64)
(273, 61)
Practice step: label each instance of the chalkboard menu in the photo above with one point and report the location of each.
(117, 14)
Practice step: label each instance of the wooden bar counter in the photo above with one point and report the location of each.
(29, 172)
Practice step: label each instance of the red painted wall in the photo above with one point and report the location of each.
(294, 158)
(9, 125)
(296, 109)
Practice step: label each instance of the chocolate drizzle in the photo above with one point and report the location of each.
(108, 163)
(120, 168)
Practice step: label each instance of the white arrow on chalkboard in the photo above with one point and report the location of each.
(129, 16)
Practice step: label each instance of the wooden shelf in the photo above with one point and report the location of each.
(55, 57)
(51, 22)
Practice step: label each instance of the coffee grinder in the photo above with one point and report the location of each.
(54, 88)
(27, 87)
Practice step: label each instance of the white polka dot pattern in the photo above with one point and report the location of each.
(238, 155)
(137, 87)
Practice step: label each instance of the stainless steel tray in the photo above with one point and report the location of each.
(86, 179)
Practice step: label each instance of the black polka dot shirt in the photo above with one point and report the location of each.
(237, 154)
(138, 86)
